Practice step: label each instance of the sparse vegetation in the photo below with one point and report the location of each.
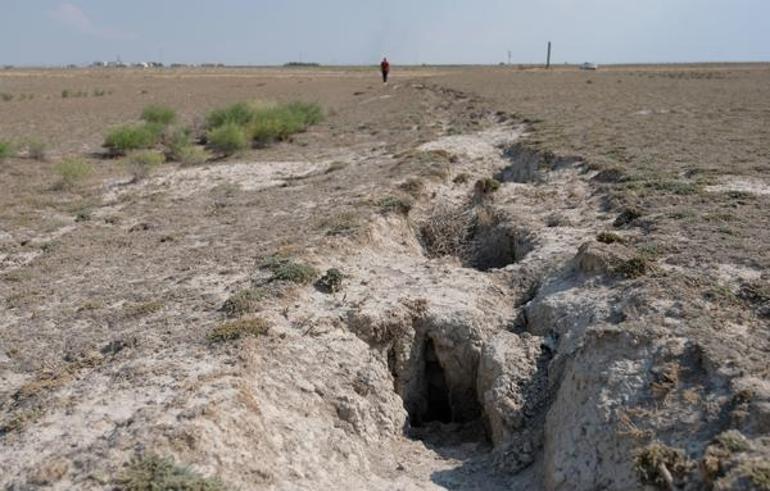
(6, 97)
(627, 216)
(395, 204)
(609, 238)
(635, 267)
(331, 281)
(412, 186)
(658, 465)
(151, 472)
(759, 474)
(343, 223)
(36, 149)
(263, 124)
(335, 166)
(159, 115)
(192, 155)
(285, 269)
(227, 139)
(461, 178)
(67, 93)
(142, 309)
(445, 232)
(7, 150)
(244, 302)
(233, 330)
(124, 139)
(142, 163)
(72, 171)
(239, 114)
(486, 186)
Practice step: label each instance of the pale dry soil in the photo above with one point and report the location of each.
(483, 339)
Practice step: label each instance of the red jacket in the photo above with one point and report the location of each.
(385, 66)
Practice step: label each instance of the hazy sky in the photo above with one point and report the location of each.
(361, 31)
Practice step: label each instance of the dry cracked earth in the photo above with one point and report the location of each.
(518, 280)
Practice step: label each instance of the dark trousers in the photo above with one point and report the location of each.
(384, 76)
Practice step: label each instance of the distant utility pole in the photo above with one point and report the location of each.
(548, 60)
(509, 57)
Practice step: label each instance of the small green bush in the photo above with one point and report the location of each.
(281, 121)
(244, 302)
(6, 97)
(123, 139)
(141, 164)
(265, 124)
(285, 269)
(7, 150)
(232, 330)
(175, 140)
(72, 171)
(159, 115)
(192, 155)
(151, 472)
(227, 139)
(240, 114)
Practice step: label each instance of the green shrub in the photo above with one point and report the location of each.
(7, 150)
(240, 114)
(227, 139)
(159, 114)
(152, 472)
(123, 139)
(265, 124)
(192, 155)
(232, 330)
(6, 96)
(175, 140)
(141, 164)
(285, 269)
(72, 171)
(281, 121)
(244, 302)
(309, 112)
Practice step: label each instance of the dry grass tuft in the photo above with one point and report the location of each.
(233, 330)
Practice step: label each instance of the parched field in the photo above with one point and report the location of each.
(471, 278)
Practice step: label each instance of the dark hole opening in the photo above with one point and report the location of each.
(438, 405)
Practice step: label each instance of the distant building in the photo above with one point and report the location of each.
(589, 66)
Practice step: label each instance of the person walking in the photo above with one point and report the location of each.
(385, 70)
